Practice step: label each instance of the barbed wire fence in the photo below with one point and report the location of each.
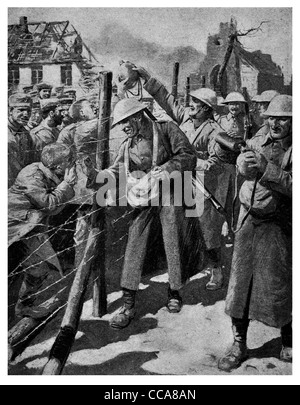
(118, 227)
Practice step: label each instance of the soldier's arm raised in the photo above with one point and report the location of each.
(161, 95)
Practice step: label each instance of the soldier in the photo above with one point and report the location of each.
(20, 145)
(260, 284)
(35, 117)
(234, 122)
(44, 90)
(65, 104)
(27, 89)
(262, 102)
(157, 149)
(81, 135)
(41, 189)
(197, 122)
(70, 93)
(47, 132)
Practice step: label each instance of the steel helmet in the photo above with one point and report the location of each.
(268, 95)
(234, 97)
(205, 95)
(280, 106)
(128, 107)
(256, 99)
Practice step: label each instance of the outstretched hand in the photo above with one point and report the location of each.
(142, 73)
(71, 175)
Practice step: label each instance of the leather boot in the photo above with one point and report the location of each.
(287, 343)
(237, 353)
(174, 303)
(126, 313)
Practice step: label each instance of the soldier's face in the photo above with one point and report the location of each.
(197, 108)
(60, 169)
(35, 117)
(280, 126)
(57, 116)
(262, 108)
(65, 114)
(45, 93)
(21, 115)
(87, 111)
(131, 126)
(235, 108)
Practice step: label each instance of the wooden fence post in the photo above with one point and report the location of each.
(102, 162)
(175, 79)
(187, 92)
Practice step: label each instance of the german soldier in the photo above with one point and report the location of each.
(40, 190)
(47, 132)
(20, 145)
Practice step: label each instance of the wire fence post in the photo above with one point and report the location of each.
(187, 92)
(102, 162)
(175, 80)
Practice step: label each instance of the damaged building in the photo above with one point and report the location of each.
(51, 52)
(254, 71)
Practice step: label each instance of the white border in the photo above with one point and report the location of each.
(139, 380)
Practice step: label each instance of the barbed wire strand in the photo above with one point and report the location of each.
(49, 257)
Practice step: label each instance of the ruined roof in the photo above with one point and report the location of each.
(260, 61)
(41, 42)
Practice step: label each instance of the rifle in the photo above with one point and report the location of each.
(207, 194)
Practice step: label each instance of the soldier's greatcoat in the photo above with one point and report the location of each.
(260, 285)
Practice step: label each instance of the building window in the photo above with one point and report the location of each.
(13, 75)
(66, 75)
(36, 74)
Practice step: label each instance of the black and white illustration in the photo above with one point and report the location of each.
(150, 191)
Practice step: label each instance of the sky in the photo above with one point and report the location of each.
(179, 25)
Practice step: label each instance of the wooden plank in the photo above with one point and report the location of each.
(64, 341)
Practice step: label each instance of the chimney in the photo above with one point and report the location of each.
(23, 23)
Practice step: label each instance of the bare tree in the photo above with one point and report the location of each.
(233, 38)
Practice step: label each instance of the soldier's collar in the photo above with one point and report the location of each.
(230, 116)
(285, 143)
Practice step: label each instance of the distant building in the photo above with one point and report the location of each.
(51, 52)
(254, 71)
